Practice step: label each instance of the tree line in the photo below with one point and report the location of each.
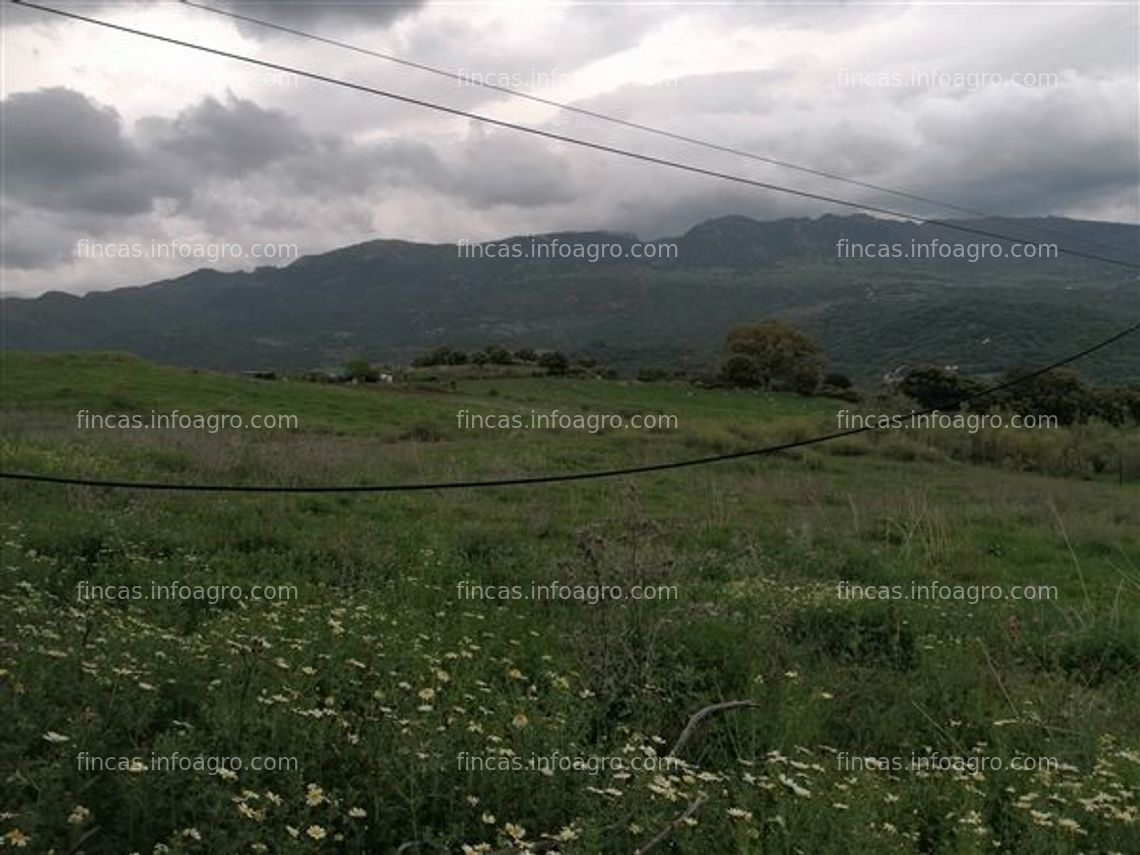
(774, 355)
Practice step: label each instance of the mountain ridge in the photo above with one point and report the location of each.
(389, 299)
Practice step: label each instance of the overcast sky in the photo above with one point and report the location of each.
(117, 139)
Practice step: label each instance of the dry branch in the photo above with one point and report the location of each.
(669, 829)
(700, 716)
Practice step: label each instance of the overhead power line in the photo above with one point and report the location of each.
(596, 146)
(626, 123)
(551, 479)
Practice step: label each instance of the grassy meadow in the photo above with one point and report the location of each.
(406, 717)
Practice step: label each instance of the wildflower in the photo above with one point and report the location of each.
(79, 815)
(567, 834)
(316, 832)
(56, 738)
(17, 838)
(740, 814)
(249, 813)
(794, 787)
(357, 812)
(613, 792)
(520, 721)
(314, 795)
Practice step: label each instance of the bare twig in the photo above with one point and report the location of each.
(949, 737)
(997, 679)
(664, 833)
(694, 722)
(700, 716)
(417, 845)
(1013, 707)
(78, 845)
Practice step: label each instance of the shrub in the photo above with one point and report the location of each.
(498, 355)
(554, 361)
(930, 387)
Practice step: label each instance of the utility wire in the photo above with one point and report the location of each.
(596, 146)
(605, 117)
(553, 479)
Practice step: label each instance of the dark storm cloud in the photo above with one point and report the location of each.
(1002, 149)
(1032, 154)
(227, 139)
(290, 13)
(71, 169)
(504, 168)
(32, 241)
(340, 167)
(64, 152)
(304, 15)
(462, 47)
(74, 170)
